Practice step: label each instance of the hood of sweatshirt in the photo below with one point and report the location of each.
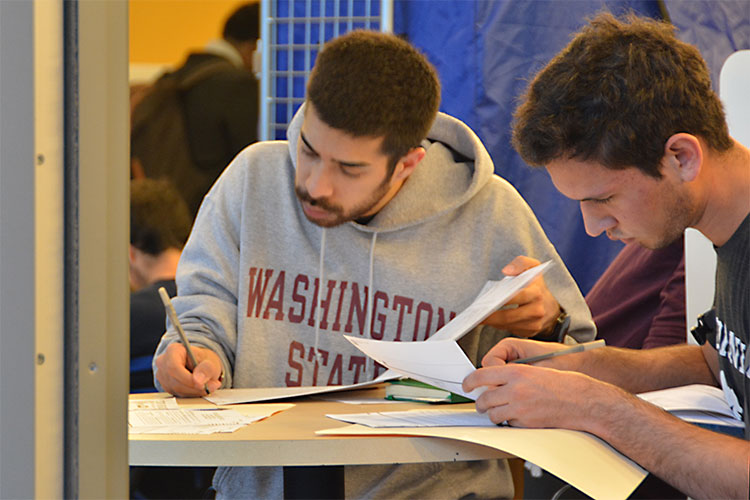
(455, 167)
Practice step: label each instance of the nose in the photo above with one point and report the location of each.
(319, 183)
(595, 219)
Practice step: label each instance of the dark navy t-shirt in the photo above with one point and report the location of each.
(732, 304)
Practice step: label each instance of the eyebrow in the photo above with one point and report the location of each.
(342, 163)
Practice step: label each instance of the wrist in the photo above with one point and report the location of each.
(557, 331)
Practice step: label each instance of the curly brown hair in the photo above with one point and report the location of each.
(159, 216)
(615, 95)
(375, 84)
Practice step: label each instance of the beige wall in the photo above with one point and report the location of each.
(48, 200)
(162, 32)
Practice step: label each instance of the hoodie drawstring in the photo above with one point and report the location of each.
(371, 293)
(321, 281)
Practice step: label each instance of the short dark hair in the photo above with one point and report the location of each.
(367, 83)
(243, 25)
(615, 95)
(159, 216)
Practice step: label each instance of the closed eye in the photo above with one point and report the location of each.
(602, 201)
(351, 170)
(308, 152)
(598, 201)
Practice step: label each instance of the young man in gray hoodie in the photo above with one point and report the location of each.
(388, 211)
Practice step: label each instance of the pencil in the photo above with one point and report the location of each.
(176, 322)
(586, 346)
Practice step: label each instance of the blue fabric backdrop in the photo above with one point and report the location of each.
(485, 52)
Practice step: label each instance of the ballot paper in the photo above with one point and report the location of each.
(493, 295)
(197, 420)
(183, 421)
(418, 418)
(152, 404)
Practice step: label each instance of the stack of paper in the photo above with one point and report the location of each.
(164, 416)
(700, 404)
(418, 418)
(407, 389)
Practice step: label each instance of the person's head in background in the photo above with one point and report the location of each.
(623, 119)
(242, 30)
(371, 99)
(160, 224)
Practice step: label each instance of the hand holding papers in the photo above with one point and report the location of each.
(492, 296)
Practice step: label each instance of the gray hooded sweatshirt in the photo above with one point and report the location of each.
(251, 272)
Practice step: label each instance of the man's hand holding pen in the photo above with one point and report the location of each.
(173, 371)
(530, 384)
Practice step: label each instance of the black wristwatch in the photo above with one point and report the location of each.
(560, 328)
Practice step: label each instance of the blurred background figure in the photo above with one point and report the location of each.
(189, 124)
(639, 301)
(159, 227)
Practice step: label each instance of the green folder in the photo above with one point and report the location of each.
(407, 389)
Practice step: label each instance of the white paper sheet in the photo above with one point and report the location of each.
(578, 458)
(690, 397)
(707, 418)
(152, 404)
(360, 397)
(199, 420)
(493, 296)
(418, 418)
(697, 403)
(256, 394)
(441, 363)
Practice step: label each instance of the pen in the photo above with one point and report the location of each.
(587, 346)
(176, 322)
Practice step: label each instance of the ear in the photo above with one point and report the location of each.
(132, 253)
(246, 50)
(684, 153)
(408, 163)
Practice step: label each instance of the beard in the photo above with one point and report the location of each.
(337, 214)
(680, 214)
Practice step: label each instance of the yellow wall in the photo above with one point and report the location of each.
(162, 32)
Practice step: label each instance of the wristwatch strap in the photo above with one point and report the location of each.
(560, 329)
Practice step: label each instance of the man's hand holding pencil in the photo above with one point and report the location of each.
(173, 371)
(536, 384)
(184, 370)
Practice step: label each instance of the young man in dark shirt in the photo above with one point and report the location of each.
(625, 121)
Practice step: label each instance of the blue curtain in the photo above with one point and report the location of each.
(486, 51)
